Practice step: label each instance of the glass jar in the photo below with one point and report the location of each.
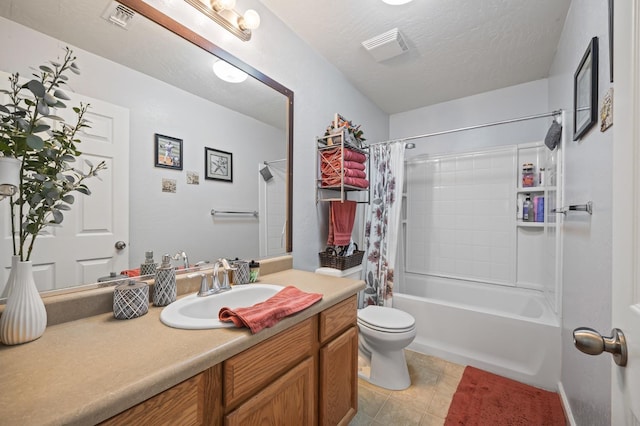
(528, 175)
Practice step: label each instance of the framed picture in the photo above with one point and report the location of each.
(168, 152)
(585, 91)
(218, 165)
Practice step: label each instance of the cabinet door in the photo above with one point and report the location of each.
(290, 400)
(339, 379)
(196, 401)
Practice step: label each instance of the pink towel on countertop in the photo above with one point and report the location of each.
(265, 314)
(341, 218)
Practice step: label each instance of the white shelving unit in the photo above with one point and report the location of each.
(538, 242)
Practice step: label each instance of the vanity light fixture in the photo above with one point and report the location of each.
(223, 12)
(396, 2)
(227, 72)
(9, 176)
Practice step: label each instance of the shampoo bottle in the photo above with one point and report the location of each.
(164, 288)
(527, 210)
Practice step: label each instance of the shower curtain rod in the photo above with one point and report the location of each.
(478, 126)
(274, 161)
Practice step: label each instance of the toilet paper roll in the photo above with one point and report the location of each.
(130, 300)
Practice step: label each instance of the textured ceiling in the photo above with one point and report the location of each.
(457, 48)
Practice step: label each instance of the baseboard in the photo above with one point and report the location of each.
(565, 405)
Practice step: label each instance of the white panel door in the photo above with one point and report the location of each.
(625, 389)
(83, 248)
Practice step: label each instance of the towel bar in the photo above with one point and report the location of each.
(215, 212)
(577, 207)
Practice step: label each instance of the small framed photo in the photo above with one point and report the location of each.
(168, 152)
(218, 165)
(585, 91)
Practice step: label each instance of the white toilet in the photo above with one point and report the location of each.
(384, 333)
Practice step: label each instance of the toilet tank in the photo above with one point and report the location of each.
(354, 273)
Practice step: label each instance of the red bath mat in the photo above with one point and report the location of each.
(485, 399)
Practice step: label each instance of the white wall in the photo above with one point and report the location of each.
(586, 292)
(167, 222)
(511, 102)
(320, 91)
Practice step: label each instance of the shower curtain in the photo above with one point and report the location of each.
(382, 223)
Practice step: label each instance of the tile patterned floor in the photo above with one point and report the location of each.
(424, 403)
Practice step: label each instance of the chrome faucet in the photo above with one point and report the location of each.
(205, 290)
(216, 287)
(185, 259)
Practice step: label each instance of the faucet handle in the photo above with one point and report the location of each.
(204, 285)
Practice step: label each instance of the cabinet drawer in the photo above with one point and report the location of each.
(337, 318)
(251, 370)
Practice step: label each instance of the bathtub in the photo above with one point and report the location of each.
(508, 331)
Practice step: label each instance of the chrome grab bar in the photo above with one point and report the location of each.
(577, 207)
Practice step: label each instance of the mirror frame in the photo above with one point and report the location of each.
(153, 14)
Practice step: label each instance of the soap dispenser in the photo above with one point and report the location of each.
(149, 266)
(164, 289)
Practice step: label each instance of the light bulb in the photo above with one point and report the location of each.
(249, 21)
(228, 72)
(219, 5)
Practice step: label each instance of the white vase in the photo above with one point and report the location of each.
(12, 276)
(24, 318)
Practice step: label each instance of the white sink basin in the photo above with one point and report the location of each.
(193, 312)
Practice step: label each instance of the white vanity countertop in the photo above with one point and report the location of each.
(88, 370)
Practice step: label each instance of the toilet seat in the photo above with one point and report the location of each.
(388, 320)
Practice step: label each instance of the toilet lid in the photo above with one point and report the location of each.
(383, 318)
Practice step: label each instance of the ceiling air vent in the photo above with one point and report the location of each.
(386, 45)
(118, 14)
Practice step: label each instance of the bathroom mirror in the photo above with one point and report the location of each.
(162, 52)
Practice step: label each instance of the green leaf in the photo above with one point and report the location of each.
(35, 142)
(43, 108)
(61, 95)
(4, 109)
(83, 190)
(63, 207)
(68, 158)
(36, 88)
(46, 69)
(50, 99)
(41, 128)
(60, 104)
(69, 199)
(58, 217)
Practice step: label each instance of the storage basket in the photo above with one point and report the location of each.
(329, 259)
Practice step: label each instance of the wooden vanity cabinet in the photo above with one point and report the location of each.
(306, 375)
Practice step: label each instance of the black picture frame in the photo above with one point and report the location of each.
(585, 91)
(168, 152)
(611, 41)
(218, 165)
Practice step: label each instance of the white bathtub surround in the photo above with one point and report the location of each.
(462, 221)
(382, 223)
(508, 331)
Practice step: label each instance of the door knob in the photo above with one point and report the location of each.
(591, 342)
(120, 245)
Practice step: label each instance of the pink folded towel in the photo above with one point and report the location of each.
(265, 314)
(353, 165)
